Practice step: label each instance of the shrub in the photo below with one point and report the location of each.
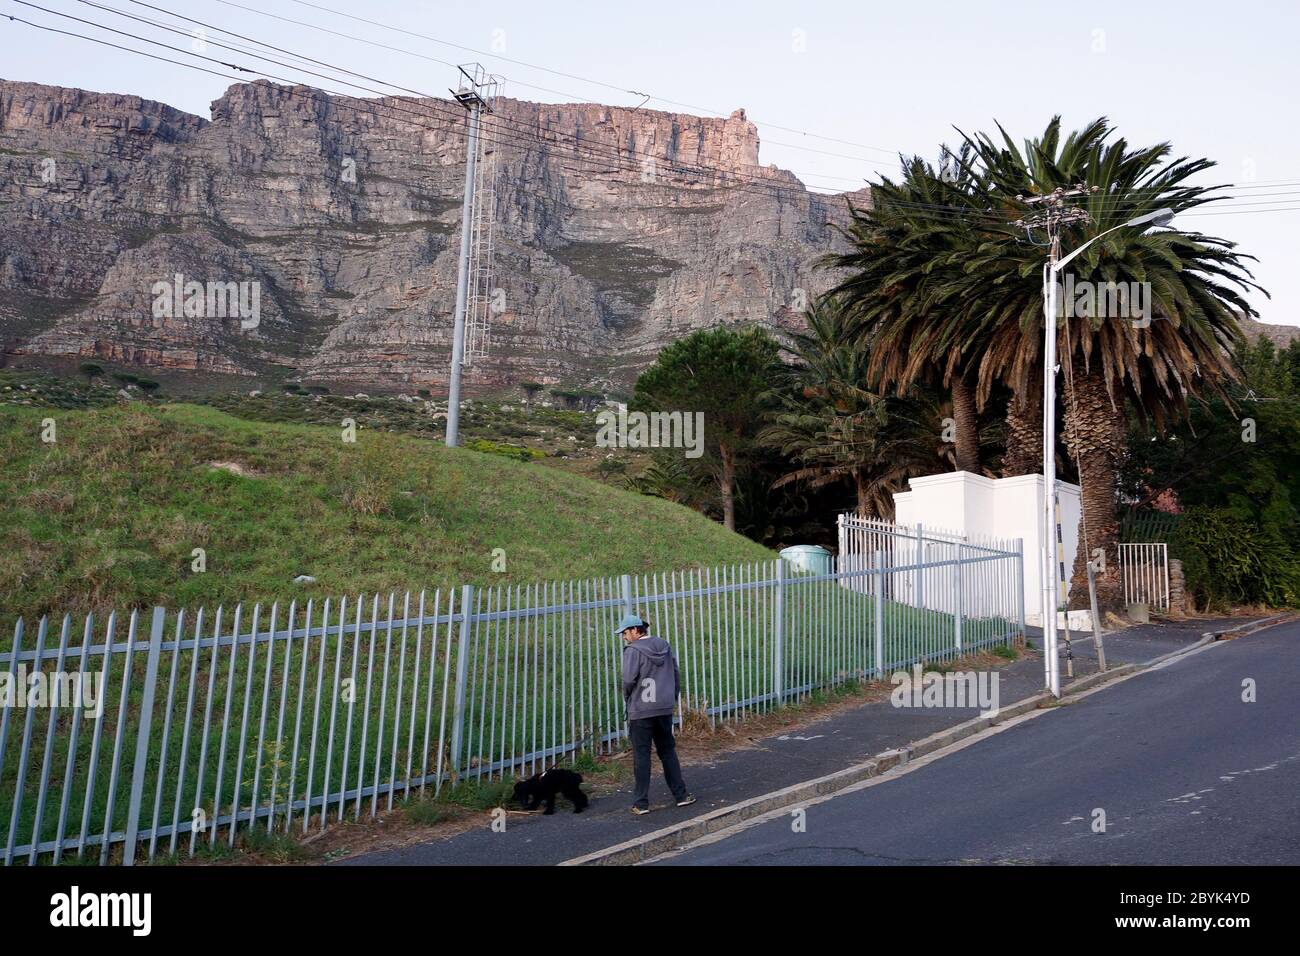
(1229, 560)
(509, 451)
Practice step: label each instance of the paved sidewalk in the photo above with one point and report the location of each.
(775, 762)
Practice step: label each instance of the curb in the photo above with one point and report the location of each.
(679, 835)
(1242, 630)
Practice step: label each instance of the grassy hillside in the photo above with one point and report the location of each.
(109, 514)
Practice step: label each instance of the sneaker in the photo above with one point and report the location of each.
(640, 811)
(686, 801)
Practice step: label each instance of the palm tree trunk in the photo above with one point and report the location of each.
(1024, 455)
(1094, 434)
(967, 425)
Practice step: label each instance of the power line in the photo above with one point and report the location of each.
(1246, 212)
(587, 146)
(1118, 202)
(938, 211)
(596, 149)
(571, 96)
(581, 79)
(770, 189)
(173, 29)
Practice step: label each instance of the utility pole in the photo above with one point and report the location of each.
(1055, 213)
(468, 96)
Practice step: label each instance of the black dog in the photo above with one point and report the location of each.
(546, 785)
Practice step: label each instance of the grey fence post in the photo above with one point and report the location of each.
(25, 747)
(961, 599)
(4, 717)
(462, 673)
(1020, 585)
(142, 741)
(919, 594)
(878, 575)
(625, 584)
(778, 634)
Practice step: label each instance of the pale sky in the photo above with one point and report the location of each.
(1217, 81)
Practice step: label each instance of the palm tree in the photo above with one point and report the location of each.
(833, 429)
(670, 476)
(942, 283)
(1196, 282)
(906, 248)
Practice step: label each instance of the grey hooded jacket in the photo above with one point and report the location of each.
(650, 678)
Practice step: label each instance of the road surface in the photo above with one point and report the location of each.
(1184, 770)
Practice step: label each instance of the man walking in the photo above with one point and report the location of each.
(650, 690)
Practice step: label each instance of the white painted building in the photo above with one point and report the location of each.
(972, 505)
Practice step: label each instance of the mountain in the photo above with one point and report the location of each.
(346, 214)
(1279, 335)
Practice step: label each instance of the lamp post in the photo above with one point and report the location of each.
(1051, 569)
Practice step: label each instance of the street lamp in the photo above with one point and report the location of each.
(1051, 661)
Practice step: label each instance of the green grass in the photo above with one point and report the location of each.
(276, 847)
(108, 516)
(424, 811)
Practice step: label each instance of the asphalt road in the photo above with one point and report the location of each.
(1185, 771)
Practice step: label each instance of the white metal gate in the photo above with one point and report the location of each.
(1145, 570)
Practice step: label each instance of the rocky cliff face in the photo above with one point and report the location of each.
(345, 212)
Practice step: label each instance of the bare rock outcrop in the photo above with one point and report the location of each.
(345, 213)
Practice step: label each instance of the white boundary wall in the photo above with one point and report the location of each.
(979, 507)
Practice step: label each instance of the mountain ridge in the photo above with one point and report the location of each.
(603, 256)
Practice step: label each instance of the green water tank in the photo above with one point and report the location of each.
(809, 558)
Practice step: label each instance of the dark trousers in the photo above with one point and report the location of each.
(659, 731)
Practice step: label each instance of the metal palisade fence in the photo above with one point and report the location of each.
(157, 733)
